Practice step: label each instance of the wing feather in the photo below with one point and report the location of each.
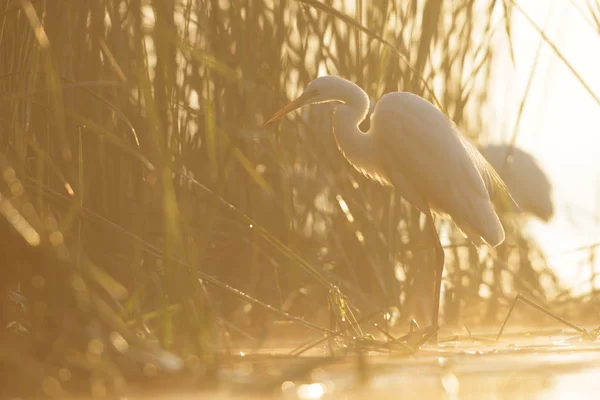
(399, 175)
(424, 139)
(433, 160)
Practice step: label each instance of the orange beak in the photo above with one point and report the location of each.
(299, 102)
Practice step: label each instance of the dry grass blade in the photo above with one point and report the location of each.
(190, 226)
(584, 332)
(594, 10)
(348, 20)
(110, 137)
(536, 57)
(507, 14)
(557, 52)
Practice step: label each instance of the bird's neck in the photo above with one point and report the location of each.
(346, 119)
(355, 105)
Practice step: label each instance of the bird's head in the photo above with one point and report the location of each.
(321, 90)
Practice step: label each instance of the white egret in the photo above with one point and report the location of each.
(415, 148)
(525, 179)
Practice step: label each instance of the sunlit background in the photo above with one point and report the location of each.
(560, 123)
(154, 235)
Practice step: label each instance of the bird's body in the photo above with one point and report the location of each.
(524, 177)
(415, 148)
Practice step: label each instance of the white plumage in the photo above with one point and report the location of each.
(412, 146)
(415, 148)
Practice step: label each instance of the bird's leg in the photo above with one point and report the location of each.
(439, 269)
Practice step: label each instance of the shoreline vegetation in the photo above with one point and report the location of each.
(149, 226)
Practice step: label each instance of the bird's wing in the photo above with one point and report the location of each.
(492, 180)
(422, 146)
(399, 178)
(424, 143)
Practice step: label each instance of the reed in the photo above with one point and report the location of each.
(132, 130)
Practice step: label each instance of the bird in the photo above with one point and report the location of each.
(524, 177)
(416, 149)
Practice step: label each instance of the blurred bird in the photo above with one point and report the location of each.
(525, 179)
(414, 147)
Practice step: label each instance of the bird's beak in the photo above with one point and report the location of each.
(299, 102)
